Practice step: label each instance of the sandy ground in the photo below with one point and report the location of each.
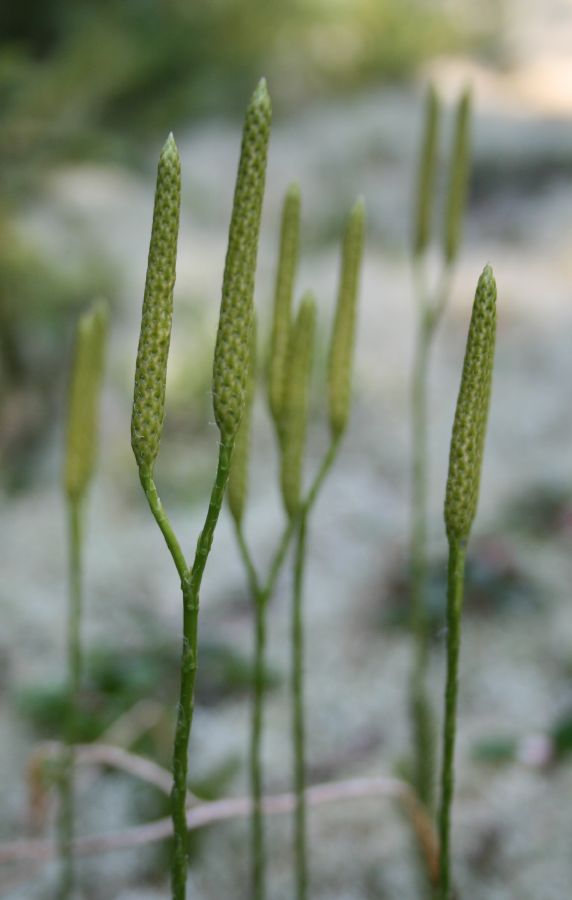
(512, 824)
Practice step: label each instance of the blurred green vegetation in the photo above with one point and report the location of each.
(117, 679)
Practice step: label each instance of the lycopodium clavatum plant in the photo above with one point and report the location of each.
(431, 302)
(288, 388)
(79, 467)
(462, 494)
(230, 386)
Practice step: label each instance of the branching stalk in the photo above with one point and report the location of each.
(190, 586)
(261, 594)
(297, 675)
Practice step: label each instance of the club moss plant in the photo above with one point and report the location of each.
(465, 463)
(79, 467)
(230, 380)
(292, 344)
(431, 303)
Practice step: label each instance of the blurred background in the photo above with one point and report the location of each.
(88, 92)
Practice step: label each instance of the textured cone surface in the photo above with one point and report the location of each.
(469, 428)
(458, 182)
(296, 403)
(343, 335)
(285, 276)
(427, 171)
(238, 480)
(230, 371)
(85, 389)
(155, 336)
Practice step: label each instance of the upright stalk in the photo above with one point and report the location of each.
(298, 715)
(256, 772)
(297, 675)
(189, 663)
(261, 595)
(74, 658)
(461, 500)
(420, 706)
(79, 466)
(431, 303)
(455, 588)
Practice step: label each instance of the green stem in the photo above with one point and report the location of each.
(256, 769)
(162, 521)
(325, 467)
(455, 587)
(253, 582)
(420, 707)
(261, 594)
(297, 675)
(191, 583)
(431, 308)
(67, 824)
(298, 718)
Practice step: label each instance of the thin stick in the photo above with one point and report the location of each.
(221, 810)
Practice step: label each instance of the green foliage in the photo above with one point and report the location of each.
(116, 678)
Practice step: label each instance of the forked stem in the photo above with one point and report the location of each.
(297, 675)
(261, 595)
(190, 585)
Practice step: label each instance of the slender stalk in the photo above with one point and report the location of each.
(430, 311)
(191, 584)
(297, 675)
(162, 521)
(455, 587)
(261, 594)
(419, 700)
(298, 717)
(256, 769)
(67, 823)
